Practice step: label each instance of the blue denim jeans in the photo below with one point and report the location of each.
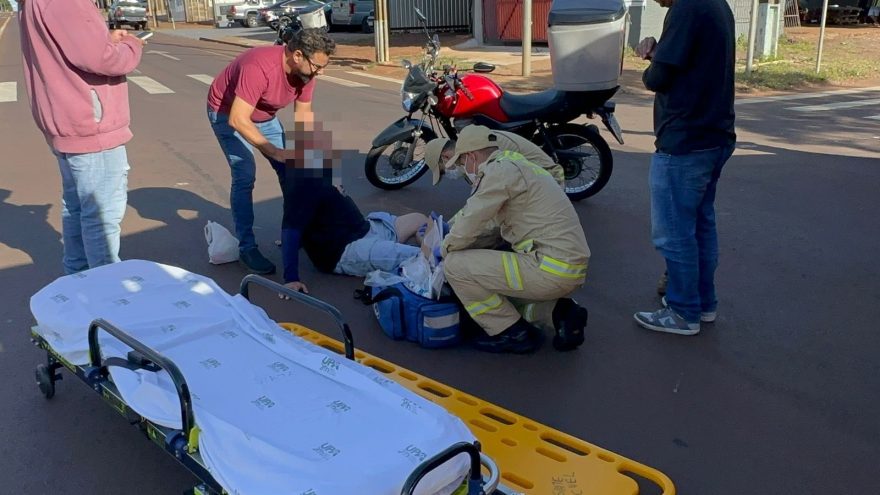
(93, 201)
(378, 250)
(683, 226)
(240, 156)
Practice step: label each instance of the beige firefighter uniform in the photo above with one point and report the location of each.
(490, 237)
(550, 249)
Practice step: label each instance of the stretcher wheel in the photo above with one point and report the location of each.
(45, 381)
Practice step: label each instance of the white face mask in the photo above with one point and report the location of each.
(453, 173)
(470, 177)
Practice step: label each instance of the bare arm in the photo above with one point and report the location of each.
(240, 120)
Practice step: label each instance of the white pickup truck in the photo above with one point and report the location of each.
(353, 13)
(247, 13)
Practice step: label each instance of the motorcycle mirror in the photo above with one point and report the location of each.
(421, 16)
(483, 67)
(406, 64)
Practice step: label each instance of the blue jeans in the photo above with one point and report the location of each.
(240, 156)
(378, 250)
(683, 226)
(93, 201)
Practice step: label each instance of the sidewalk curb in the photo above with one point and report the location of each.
(232, 43)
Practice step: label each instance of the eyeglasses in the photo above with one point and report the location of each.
(313, 66)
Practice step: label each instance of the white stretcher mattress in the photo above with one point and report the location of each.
(277, 414)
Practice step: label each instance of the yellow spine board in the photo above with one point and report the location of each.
(534, 459)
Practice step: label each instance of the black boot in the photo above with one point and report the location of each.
(570, 320)
(519, 338)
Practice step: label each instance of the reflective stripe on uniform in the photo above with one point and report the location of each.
(529, 312)
(522, 160)
(478, 308)
(562, 269)
(511, 271)
(525, 246)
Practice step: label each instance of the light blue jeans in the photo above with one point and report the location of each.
(683, 226)
(240, 157)
(94, 197)
(378, 250)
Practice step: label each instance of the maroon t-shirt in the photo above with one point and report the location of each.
(257, 77)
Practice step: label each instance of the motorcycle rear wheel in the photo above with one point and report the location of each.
(597, 166)
(388, 172)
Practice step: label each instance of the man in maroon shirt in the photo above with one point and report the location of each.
(242, 106)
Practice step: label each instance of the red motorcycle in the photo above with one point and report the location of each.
(449, 102)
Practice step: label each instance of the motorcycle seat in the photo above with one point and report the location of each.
(533, 105)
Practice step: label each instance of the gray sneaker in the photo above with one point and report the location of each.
(705, 316)
(666, 320)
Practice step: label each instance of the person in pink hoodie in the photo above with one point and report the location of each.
(75, 71)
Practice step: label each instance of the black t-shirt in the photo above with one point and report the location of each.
(695, 57)
(319, 217)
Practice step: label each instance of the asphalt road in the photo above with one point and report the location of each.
(779, 396)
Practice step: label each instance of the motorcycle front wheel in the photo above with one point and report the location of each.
(586, 175)
(386, 167)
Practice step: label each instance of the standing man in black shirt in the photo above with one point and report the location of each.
(692, 76)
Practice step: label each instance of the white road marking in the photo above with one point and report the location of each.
(874, 117)
(837, 106)
(8, 19)
(343, 82)
(803, 96)
(150, 85)
(8, 91)
(164, 54)
(202, 78)
(373, 76)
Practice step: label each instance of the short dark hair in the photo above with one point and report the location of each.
(311, 41)
(448, 146)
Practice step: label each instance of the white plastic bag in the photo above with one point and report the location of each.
(417, 273)
(222, 245)
(378, 278)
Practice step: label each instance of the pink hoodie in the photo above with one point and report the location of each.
(75, 75)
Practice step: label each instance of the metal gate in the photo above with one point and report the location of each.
(450, 14)
(742, 12)
(504, 19)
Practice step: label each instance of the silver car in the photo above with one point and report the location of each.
(128, 12)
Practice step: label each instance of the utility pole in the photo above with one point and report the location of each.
(753, 28)
(821, 36)
(154, 6)
(527, 38)
(170, 14)
(380, 29)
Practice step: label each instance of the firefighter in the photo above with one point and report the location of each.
(515, 295)
(439, 151)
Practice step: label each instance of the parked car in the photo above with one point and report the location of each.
(271, 15)
(353, 13)
(128, 12)
(247, 13)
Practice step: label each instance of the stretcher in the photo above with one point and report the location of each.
(505, 453)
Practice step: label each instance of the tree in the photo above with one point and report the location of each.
(5, 6)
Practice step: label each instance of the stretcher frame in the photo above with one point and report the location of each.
(549, 461)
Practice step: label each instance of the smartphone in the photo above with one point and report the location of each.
(144, 35)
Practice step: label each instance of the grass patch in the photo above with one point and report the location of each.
(794, 66)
